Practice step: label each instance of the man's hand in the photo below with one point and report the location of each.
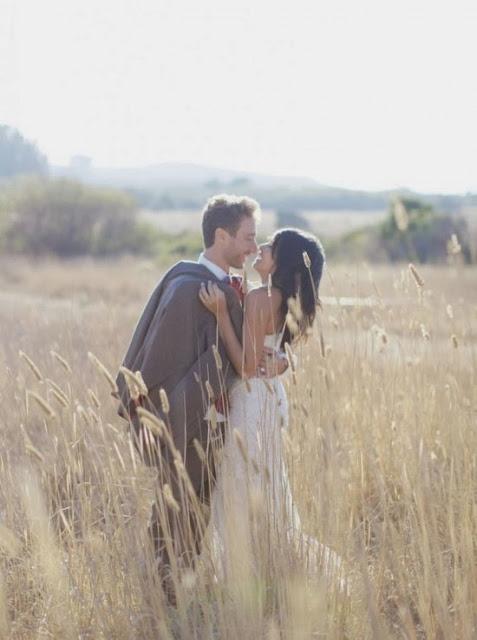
(273, 363)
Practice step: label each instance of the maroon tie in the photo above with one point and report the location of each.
(236, 282)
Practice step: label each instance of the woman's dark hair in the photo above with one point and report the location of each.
(299, 259)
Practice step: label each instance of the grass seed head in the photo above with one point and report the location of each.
(134, 382)
(401, 217)
(217, 358)
(210, 391)
(59, 398)
(200, 450)
(169, 498)
(104, 372)
(64, 363)
(453, 246)
(164, 401)
(424, 332)
(43, 404)
(417, 277)
(94, 398)
(31, 365)
(152, 422)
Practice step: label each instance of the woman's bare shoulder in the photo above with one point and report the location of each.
(262, 295)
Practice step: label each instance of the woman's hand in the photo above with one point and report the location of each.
(213, 298)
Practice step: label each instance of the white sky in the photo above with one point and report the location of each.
(368, 94)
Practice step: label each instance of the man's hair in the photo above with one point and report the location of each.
(226, 212)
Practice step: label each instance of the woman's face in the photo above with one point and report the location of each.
(264, 263)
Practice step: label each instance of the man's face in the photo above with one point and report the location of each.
(237, 248)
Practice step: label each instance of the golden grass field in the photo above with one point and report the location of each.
(382, 458)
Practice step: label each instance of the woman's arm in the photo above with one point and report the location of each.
(257, 305)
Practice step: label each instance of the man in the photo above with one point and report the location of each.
(186, 371)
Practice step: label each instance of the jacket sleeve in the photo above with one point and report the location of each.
(190, 398)
(188, 395)
(177, 354)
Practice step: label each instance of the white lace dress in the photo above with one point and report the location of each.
(252, 512)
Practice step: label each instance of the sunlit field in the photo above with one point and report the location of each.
(382, 455)
(329, 224)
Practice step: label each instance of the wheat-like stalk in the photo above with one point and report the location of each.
(134, 382)
(104, 372)
(401, 216)
(169, 498)
(94, 398)
(152, 422)
(64, 363)
(217, 358)
(32, 365)
(200, 450)
(43, 404)
(417, 277)
(59, 391)
(59, 397)
(164, 401)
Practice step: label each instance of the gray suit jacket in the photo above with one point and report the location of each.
(172, 348)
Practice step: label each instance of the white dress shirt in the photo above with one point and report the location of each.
(211, 266)
(221, 275)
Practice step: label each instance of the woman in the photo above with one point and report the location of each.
(252, 514)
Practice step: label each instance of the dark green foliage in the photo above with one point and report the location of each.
(426, 236)
(423, 238)
(19, 156)
(181, 246)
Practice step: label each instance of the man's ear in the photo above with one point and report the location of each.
(220, 236)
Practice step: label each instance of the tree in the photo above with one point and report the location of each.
(19, 156)
(66, 218)
(415, 231)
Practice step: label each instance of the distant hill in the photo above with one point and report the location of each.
(186, 186)
(173, 175)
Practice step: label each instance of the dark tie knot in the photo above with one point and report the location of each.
(236, 282)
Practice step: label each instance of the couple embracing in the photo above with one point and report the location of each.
(211, 355)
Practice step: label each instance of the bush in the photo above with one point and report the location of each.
(417, 234)
(67, 218)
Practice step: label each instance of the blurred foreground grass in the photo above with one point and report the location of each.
(382, 457)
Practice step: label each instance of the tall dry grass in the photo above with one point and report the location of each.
(381, 452)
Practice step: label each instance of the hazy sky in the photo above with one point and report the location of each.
(368, 94)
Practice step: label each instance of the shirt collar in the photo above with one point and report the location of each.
(211, 266)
